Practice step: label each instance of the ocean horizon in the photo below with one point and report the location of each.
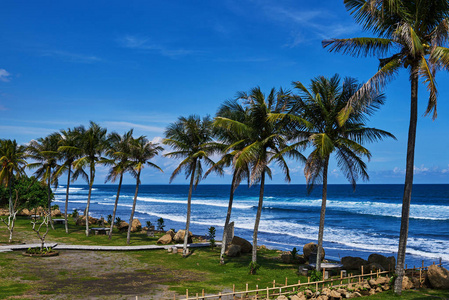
(357, 223)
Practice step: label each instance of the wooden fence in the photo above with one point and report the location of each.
(284, 289)
(266, 293)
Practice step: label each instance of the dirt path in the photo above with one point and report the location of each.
(93, 275)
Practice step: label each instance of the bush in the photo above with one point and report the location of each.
(160, 224)
(32, 193)
(294, 252)
(118, 221)
(149, 224)
(253, 267)
(316, 275)
(211, 235)
(56, 206)
(109, 219)
(75, 213)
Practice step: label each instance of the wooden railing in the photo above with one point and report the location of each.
(285, 289)
(266, 293)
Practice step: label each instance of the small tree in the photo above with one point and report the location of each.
(160, 224)
(211, 235)
(11, 219)
(45, 221)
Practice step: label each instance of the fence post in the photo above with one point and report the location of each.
(268, 294)
(187, 294)
(197, 296)
(257, 290)
(233, 291)
(247, 290)
(202, 293)
(286, 281)
(274, 283)
(219, 295)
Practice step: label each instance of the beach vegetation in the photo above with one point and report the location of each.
(12, 163)
(93, 144)
(231, 144)
(70, 150)
(320, 106)
(411, 35)
(118, 151)
(191, 139)
(265, 140)
(141, 151)
(45, 156)
(160, 224)
(211, 235)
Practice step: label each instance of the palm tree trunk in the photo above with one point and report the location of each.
(128, 238)
(91, 183)
(67, 199)
(49, 198)
(115, 205)
(322, 215)
(259, 212)
(189, 202)
(403, 235)
(228, 218)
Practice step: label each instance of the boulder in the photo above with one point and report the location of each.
(56, 213)
(286, 257)
(312, 247)
(334, 295)
(388, 263)
(353, 263)
(357, 295)
(245, 246)
(123, 226)
(373, 267)
(380, 280)
(165, 239)
(438, 277)
(300, 296)
(23, 212)
(4, 212)
(282, 297)
(171, 233)
(233, 250)
(136, 225)
(407, 284)
(308, 293)
(82, 221)
(179, 237)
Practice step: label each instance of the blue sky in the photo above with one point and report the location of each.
(141, 64)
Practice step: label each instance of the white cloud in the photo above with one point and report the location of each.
(72, 57)
(4, 75)
(420, 170)
(144, 43)
(127, 126)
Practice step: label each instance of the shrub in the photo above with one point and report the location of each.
(253, 267)
(160, 224)
(109, 219)
(75, 213)
(118, 221)
(315, 275)
(294, 252)
(211, 235)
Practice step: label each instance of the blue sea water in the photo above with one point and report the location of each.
(357, 223)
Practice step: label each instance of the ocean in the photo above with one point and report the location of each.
(357, 223)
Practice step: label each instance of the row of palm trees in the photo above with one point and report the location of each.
(77, 152)
(250, 133)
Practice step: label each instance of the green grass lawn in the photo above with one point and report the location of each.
(77, 235)
(25, 276)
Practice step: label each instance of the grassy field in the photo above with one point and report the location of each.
(154, 274)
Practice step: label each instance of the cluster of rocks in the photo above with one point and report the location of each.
(39, 211)
(238, 246)
(178, 237)
(375, 262)
(353, 290)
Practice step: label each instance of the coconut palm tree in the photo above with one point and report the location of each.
(119, 153)
(93, 143)
(231, 146)
(70, 150)
(191, 139)
(411, 35)
(44, 151)
(141, 151)
(320, 106)
(12, 165)
(266, 140)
